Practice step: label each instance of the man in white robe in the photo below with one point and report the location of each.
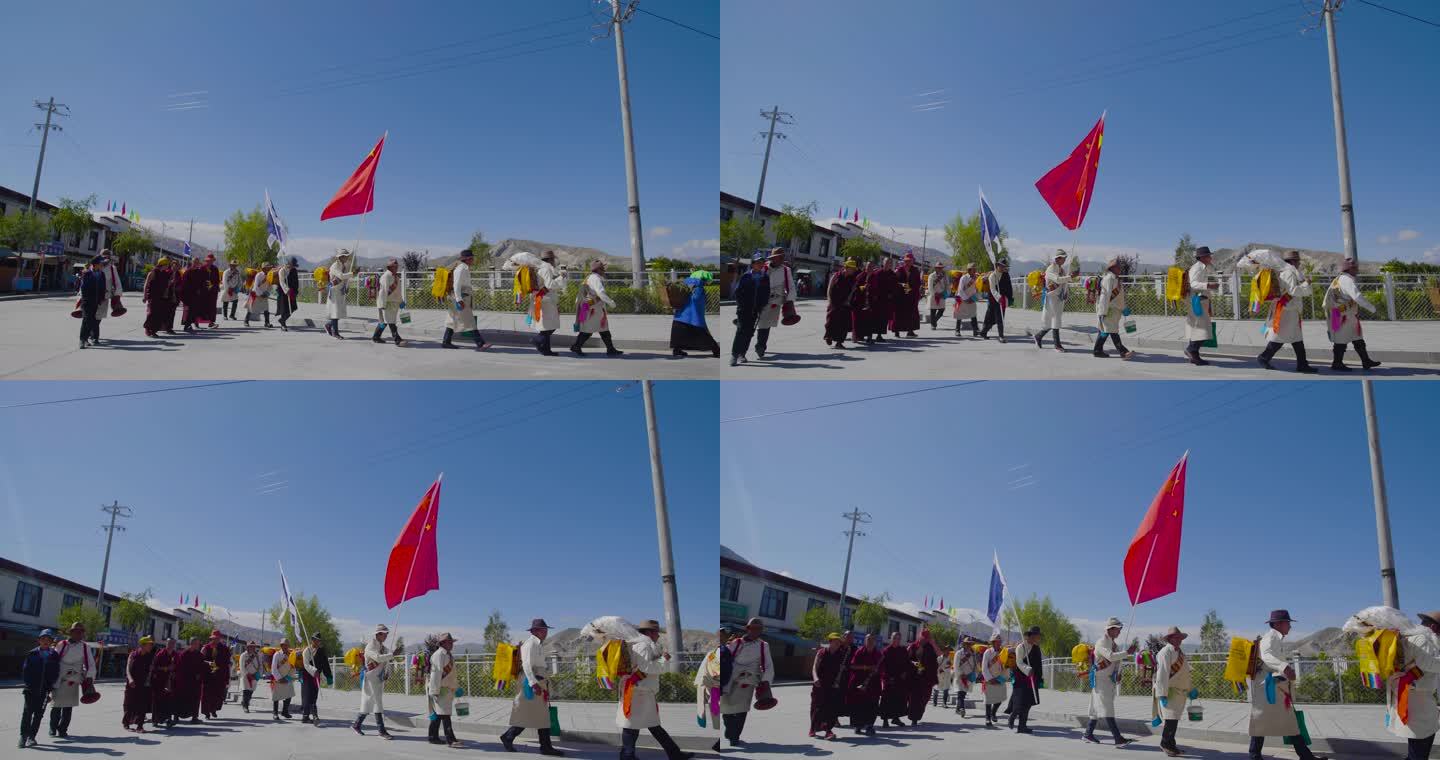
(592, 309)
(259, 304)
(782, 298)
(389, 299)
(376, 667)
(442, 688)
(282, 684)
(250, 671)
(966, 292)
(992, 672)
(1111, 310)
(1272, 710)
(1172, 687)
(531, 707)
(1107, 667)
(232, 282)
(548, 283)
(1343, 303)
(647, 663)
(340, 272)
(937, 286)
(460, 314)
(1198, 313)
(1421, 675)
(752, 668)
(1056, 289)
(963, 668)
(1284, 324)
(77, 668)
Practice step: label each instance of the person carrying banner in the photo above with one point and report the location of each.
(314, 663)
(998, 296)
(1027, 675)
(1108, 658)
(1272, 707)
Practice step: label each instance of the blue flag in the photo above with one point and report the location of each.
(187, 249)
(997, 592)
(275, 229)
(989, 227)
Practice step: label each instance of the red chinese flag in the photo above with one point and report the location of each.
(1068, 187)
(357, 195)
(414, 567)
(1152, 563)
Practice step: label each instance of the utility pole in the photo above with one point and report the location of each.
(662, 528)
(632, 188)
(925, 245)
(51, 108)
(115, 511)
(775, 116)
(1342, 154)
(1388, 584)
(190, 238)
(855, 517)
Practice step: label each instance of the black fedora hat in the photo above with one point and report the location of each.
(1203, 250)
(1280, 616)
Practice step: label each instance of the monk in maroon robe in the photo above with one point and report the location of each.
(216, 683)
(825, 690)
(191, 283)
(884, 291)
(159, 297)
(925, 657)
(908, 287)
(138, 698)
(189, 671)
(861, 313)
(863, 696)
(206, 292)
(895, 673)
(840, 299)
(162, 703)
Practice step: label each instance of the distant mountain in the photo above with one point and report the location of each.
(573, 257)
(566, 642)
(1332, 641)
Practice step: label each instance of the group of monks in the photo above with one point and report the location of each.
(892, 684)
(865, 304)
(170, 684)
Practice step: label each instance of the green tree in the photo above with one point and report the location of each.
(667, 264)
(72, 220)
(945, 635)
(135, 242)
(314, 617)
(862, 249)
(85, 614)
(1154, 643)
(196, 628)
(796, 223)
(966, 239)
(741, 236)
(132, 611)
(479, 247)
(413, 261)
(496, 632)
(22, 231)
(1185, 252)
(1213, 637)
(1060, 635)
(817, 622)
(246, 238)
(1396, 266)
(872, 614)
(400, 645)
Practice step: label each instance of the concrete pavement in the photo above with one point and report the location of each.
(1408, 350)
(39, 340)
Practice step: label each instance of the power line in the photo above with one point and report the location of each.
(677, 23)
(851, 401)
(122, 395)
(1400, 13)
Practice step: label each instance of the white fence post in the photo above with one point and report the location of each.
(1235, 294)
(1389, 294)
(407, 675)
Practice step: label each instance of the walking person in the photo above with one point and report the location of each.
(863, 314)
(884, 294)
(372, 681)
(1286, 323)
(338, 276)
(113, 288)
(1111, 310)
(640, 710)
(992, 671)
(712, 679)
(999, 294)
(441, 688)
(965, 669)
(752, 293)
(258, 305)
(1343, 303)
(287, 281)
(752, 671)
(593, 307)
(162, 695)
(159, 297)
(1199, 318)
(531, 706)
(1026, 673)
(688, 329)
(232, 281)
(937, 289)
(862, 698)
(282, 681)
(780, 299)
(966, 294)
(389, 299)
(38, 673)
(1420, 675)
(908, 283)
(550, 283)
(137, 701)
(896, 670)
(77, 672)
(93, 301)
(925, 657)
(314, 663)
(249, 673)
(460, 318)
(825, 691)
(1172, 687)
(215, 686)
(203, 282)
(1108, 661)
(841, 294)
(1272, 707)
(1054, 292)
(187, 678)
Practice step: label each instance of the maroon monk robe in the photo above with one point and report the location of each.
(895, 672)
(162, 701)
(159, 297)
(863, 696)
(216, 682)
(908, 287)
(138, 698)
(927, 674)
(825, 691)
(190, 668)
(884, 291)
(861, 313)
(206, 293)
(839, 305)
(191, 282)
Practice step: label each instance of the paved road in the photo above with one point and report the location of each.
(1408, 350)
(39, 341)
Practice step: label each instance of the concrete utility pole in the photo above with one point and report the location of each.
(618, 17)
(1342, 154)
(925, 245)
(855, 517)
(673, 638)
(115, 511)
(776, 116)
(1389, 586)
(51, 108)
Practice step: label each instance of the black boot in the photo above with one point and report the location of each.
(435, 730)
(1269, 353)
(507, 739)
(1099, 351)
(380, 721)
(355, 725)
(395, 333)
(1301, 365)
(610, 349)
(544, 345)
(580, 338)
(546, 748)
(1365, 360)
(267, 319)
(1040, 338)
(379, 330)
(449, 336)
(1337, 362)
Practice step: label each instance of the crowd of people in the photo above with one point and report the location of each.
(205, 295)
(866, 303)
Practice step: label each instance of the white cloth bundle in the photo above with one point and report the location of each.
(1377, 617)
(521, 259)
(612, 627)
(1260, 258)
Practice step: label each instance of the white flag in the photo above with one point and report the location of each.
(296, 624)
(275, 231)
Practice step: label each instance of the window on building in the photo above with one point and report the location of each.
(824, 247)
(912, 634)
(70, 601)
(804, 246)
(813, 603)
(726, 214)
(894, 626)
(773, 603)
(27, 599)
(2, 209)
(169, 630)
(729, 589)
(94, 239)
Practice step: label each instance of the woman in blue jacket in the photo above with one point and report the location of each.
(688, 330)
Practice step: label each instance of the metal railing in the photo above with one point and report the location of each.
(1318, 680)
(571, 678)
(1396, 297)
(493, 291)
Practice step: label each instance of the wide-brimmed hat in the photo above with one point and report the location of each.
(538, 623)
(76, 626)
(1432, 617)
(315, 636)
(234, 263)
(444, 637)
(379, 629)
(777, 252)
(1034, 631)
(1113, 622)
(1175, 631)
(215, 634)
(996, 636)
(1203, 250)
(648, 625)
(1292, 256)
(1059, 254)
(1112, 261)
(1280, 616)
(46, 634)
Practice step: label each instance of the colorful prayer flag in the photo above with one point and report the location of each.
(857, 215)
(1068, 187)
(357, 195)
(997, 591)
(1152, 563)
(414, 566)
(122, 209)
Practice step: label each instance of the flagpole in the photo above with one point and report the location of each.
(290, 601)
(428, 512)
(369, 204)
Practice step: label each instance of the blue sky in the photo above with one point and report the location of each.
(546, 507)
(1234, 145)
(527, 146)
(1056, 477)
